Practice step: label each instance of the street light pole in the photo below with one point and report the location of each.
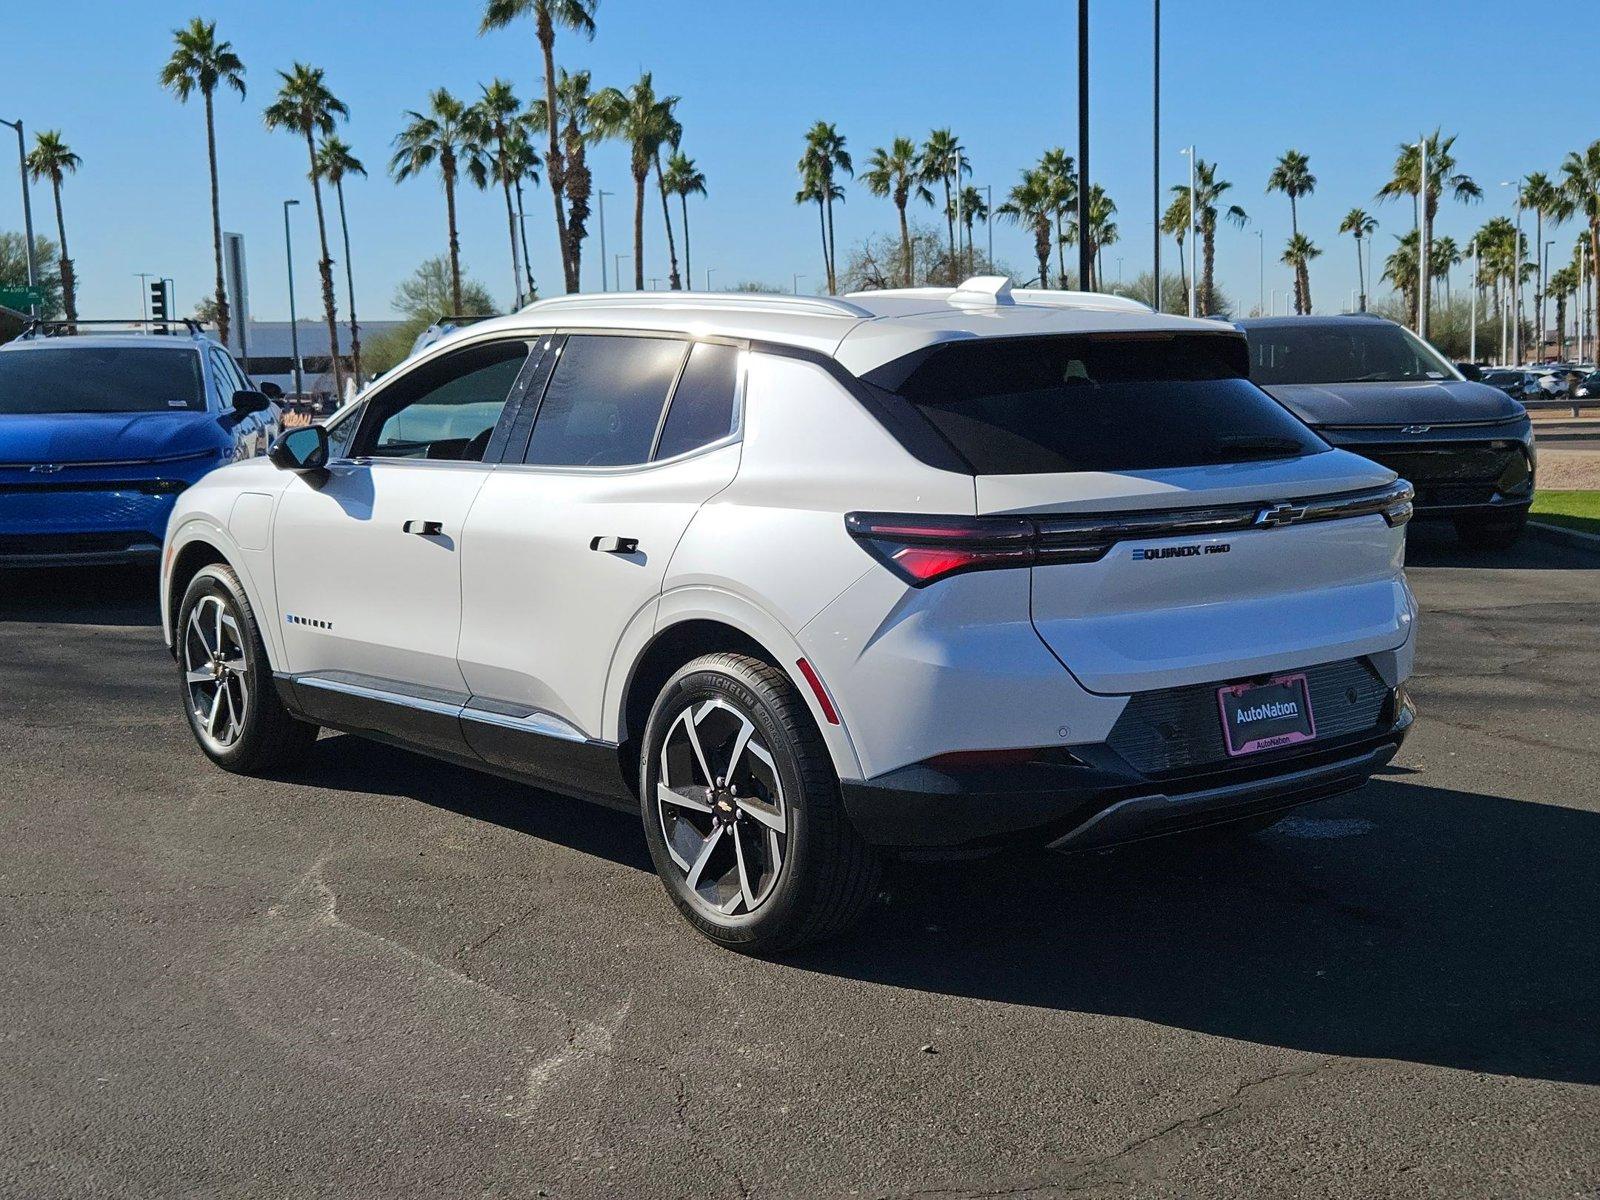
(1155, 166)
(616, 268)
(602, 193)
(1085, 177)
(27, 209)
(144, 295)
(1472, 286)
(708, 277)
(795, 288)
(1424, 237)
(988, 220)
(1539, 303)
(1194, 226)
(1261, 270)
(294, 324)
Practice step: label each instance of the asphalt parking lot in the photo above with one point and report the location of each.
(388, 976)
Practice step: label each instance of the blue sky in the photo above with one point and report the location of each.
(1243, 79)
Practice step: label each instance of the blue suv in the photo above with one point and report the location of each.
(99, 432)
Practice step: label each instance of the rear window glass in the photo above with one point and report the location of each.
(1350, 350)
(100, 379)
(603, 401)
(1019, 406)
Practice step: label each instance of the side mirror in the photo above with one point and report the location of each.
(1471, 370)
(303, 450)
(270, 390)
(245, 403)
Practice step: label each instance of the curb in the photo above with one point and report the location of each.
(1563, 536)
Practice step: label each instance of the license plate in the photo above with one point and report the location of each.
(1265, 716)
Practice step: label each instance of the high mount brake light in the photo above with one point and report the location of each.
(921, 549)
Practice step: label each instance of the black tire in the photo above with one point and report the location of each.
(1499, 532)
(828, 875)
(269, 740)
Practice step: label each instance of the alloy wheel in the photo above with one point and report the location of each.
(216, 673)
(721, 807)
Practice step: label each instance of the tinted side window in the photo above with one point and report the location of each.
(340, 432)
(603, 401)
(446, 409)
(702, 409)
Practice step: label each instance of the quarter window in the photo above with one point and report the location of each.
(702, 409)
(446, 409)
(604, 401)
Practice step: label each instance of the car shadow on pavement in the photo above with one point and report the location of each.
(343, 762)
(81, 596)
(1403, 922)
(1434, 544)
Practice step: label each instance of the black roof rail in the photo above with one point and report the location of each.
(38, 327)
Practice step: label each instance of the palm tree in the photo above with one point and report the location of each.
(646, 123)
(1580, 185)
(1059, 176)
(674, 140)
(494, 127)
(973, 208)
(1208, 193)
(1561, 284)
(896, 172)
(334, 162)
(945, 159)
(52, 159)
(1400, 269)
(1444, 257)
(576, 124)
(1031, 204)
(684, 179)
(1292, 176)
(200, 62)
(1406, 180)
(1537, 193)
(824, 157)
(523, 162)
(1102, 232)
(1297, 254)
(1497, 254)
(1176, 224)
(446, 135)
(578, 16)
(1362, 225)
(306, 106)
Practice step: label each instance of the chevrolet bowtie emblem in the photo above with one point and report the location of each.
(44, 469)
(1280, 514)
(1415, 428)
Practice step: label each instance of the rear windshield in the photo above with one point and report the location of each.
(1020, 406)
(100, 379)
(1345, 351)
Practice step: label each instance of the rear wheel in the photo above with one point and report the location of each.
(1499, 532)
(742, 811)
(233, 708)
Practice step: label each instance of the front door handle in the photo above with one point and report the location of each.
(424, 528)
(614, 545)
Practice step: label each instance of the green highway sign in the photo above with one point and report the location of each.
(21, 298)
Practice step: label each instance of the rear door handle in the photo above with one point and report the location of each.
(424, 528)
(614, 545)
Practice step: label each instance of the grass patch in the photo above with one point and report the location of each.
(1574, 510)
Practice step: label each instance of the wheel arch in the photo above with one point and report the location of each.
(193, 546)
(697, 621)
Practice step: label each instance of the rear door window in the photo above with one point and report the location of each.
(1018, 406)
(702, 410)
(603, 403)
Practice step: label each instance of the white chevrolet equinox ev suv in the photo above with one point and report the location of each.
(805, 582)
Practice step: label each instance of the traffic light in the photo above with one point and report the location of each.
(158, 302)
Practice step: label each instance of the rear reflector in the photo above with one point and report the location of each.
(821, 693)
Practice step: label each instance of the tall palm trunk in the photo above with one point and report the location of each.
(325, 269)
(688, 267)
(1294, 218)
(522, 233)
(1061, 257)
(1361, 274)
(350, 288)
(1538, 287)
(448, 162)
(1304, 272)
(511, 229)
(674, 280)
(69, 286)
(639, 178)
(822, 225)
(1208, 251)
(1183, 269)
(1041, 247)
(216, 223)
(555, 167)
(950, 220)
(828, 248)
(905, 241)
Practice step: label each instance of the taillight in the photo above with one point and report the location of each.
(921, 549)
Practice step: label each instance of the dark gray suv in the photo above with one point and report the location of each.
(1370, 386)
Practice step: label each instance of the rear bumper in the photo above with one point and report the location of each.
(1092, 796)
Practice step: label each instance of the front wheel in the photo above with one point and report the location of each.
(742, 811)
(1499, 532)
